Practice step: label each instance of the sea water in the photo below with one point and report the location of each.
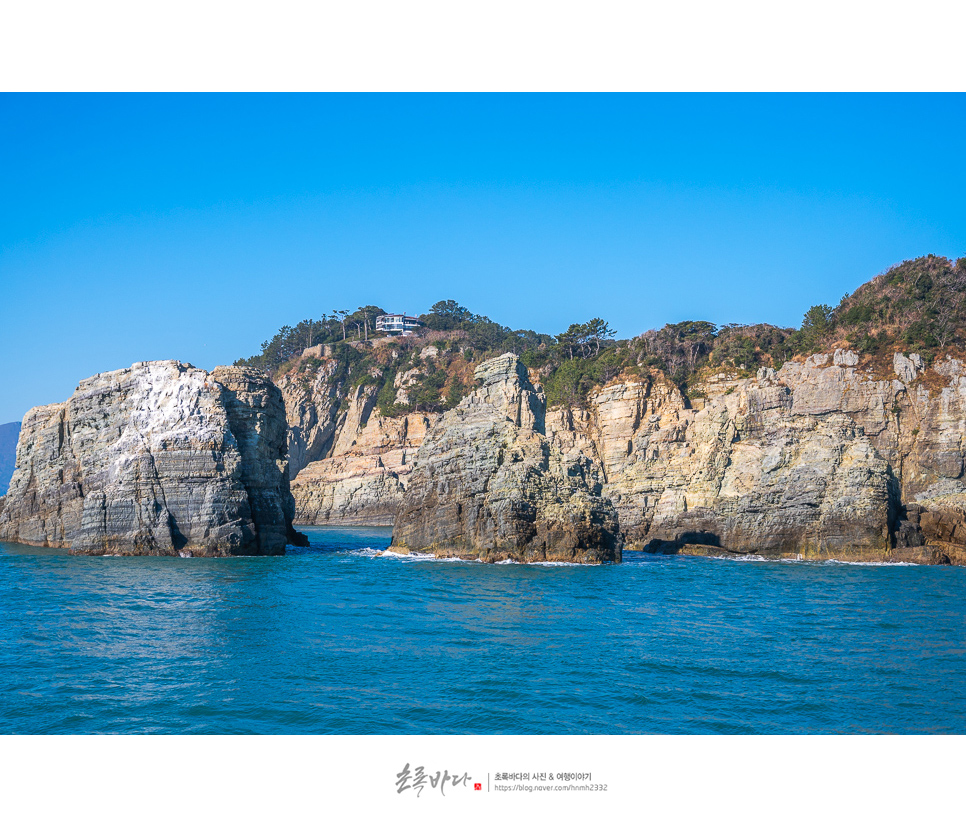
(340, 637)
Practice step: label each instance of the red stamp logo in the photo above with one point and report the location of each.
(477, 786)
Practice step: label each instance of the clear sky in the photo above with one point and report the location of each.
(192, 227)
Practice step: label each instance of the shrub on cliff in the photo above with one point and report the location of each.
(917, 305)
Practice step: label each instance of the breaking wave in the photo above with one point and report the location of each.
(416, 556)
(800, 560)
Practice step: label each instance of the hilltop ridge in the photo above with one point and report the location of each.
(916, 306)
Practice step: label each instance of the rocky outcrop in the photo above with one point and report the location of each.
(365, 479)
(160, 458)
(312, 394)
(349, 464)
(488, 483)
(838, 455)
(823, 458)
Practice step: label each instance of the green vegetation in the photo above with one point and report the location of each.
(918, 305)
(289, 342)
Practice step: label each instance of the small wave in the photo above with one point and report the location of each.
(755, 557)
(548, 564)
(367, 551)
(801, 560)
(747, 557)
(416, 556)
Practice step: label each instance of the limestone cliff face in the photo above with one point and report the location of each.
(822, 458)
(350, 465)
(158, 458)
(364, 480)
(830, 456)
(488, 484)
(312, 398)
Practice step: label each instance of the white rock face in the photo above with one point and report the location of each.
(158, 458)
(312, 409)
(907, 368)
(365, 479)
(352, 464)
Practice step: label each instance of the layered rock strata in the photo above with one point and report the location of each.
(833, 456)
(312, 398)
(365, 479)
(160, 458)
(822, 459)
(488, 484)
(349, 464)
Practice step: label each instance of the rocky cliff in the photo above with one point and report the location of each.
(823, 458)
(489, 484)
(350, 464)
(837, 455)
(364, 480)
(158, 458)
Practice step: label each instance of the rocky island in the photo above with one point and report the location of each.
(160, 458)
(845, 438)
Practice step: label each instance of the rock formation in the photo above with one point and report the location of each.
(158, 458)
(838, 455)
(488, 484)
(349, 464)
(744, 474)
(312, 400)
(365, 478)
(822, 458)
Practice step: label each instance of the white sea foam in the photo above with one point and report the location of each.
(416, 556)
(801, 560)
(548, 564)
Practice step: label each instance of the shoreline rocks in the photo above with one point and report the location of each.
(828, 457)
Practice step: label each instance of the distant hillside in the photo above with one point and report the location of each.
(9, 432)
(918, 305)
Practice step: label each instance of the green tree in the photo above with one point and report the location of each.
(457, 390)
(570, 339)
(447, 315)
(341, 315)
(818, 319)
(596, 330)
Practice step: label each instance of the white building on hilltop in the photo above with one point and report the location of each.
(396, 323)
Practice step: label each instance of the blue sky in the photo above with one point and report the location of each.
(192, 227)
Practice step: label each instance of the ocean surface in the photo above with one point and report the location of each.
(339, 638)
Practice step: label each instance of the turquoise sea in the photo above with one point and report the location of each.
(338, 638)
